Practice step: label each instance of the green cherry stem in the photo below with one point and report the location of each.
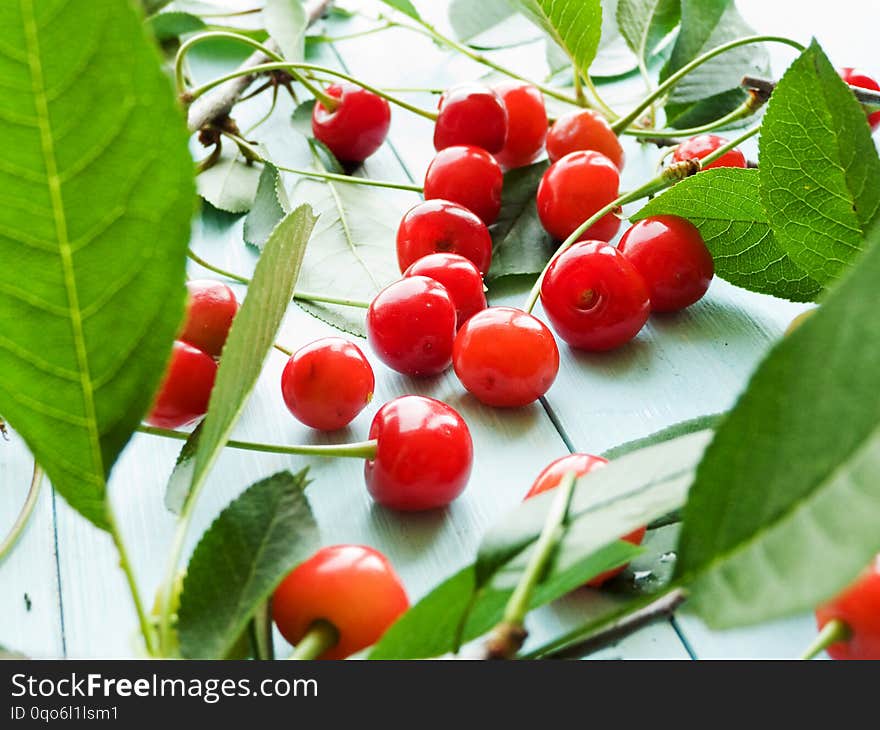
(667, 178)
(746, 109)
(508, 636)
(321, 636)
(24, 516)
(293, 69)
(627, 120)
(300, 295)
(833, 632)
(355, 450)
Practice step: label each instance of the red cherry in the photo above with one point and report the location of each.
(594, 297)
(706, 144)
(573, 189)
(468, 176)
(859, 608)
(583, 129)
(460, 277)
(184, 394)
(439, 226)
(526, 123)
(411, 326)
(858, 78)
(424, 454)
(357, 127)
(352, 587)
(327, 383)
(580, 464)
(505, 357)
(672, 258)
(471, 114)
(209, 313)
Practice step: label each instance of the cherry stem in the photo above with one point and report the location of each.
(355, 450)
(321, 636)
(293, 68)
(626, 121)
(667, 178)
(746, 109)
(350, 36)
(15, 533)
(260, 633)
(508, 636)
(299, 296)
(868, 97)
(833, 632)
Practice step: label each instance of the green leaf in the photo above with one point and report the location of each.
(645, 23)
(182, 474)
(95, 207)
(153, 6)
(725, 205)
(252, 335)
(270, 206)
(230, 185)
(786, 503)
(240, 559)
(405, 7)
(682, 428)
(470, 19)
(575, 26)
(173, 25)
(286, 22)
(520, 243)
(820, 174)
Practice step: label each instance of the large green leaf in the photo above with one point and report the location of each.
(95, 207)
(725, 205)
(166, 26)
(786, 503)
(470, 19)
(251, 546)
(286, 22)
(820, 174)
(230, 184)
(405, 7)
(645, 23)
(575, 25)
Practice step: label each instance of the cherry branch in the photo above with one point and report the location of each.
(765, 86)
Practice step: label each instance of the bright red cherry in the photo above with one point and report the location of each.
(526, 123)
(186, 389)
(706, 144)
(423, 457)
(440, 226)
(471, 114)
(327, 383)
(594, 297)
(584, 129)
(460, 277)
(411, 326)
(505, 357)
(672, 258)
(353, 587)
(855, 77)
(469, 176)
(357, 127)
(580, 464)
(573, 189)
(859, 608)
(209, 313)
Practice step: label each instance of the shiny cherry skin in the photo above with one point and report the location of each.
(461, 279)
(186, 389)
(859, 608)
(573, 189)
(353, 587)
(594, 297)
(526, 123)
(854, 77)
(672, 258)
(584, 129)
(469, 176)
(440, 226)
(505, 357)
(357, 127)
(471, 114)
(704, 145)
(327, 383)
(580, 464)
(411, 326)
(210, 309)
(424, 455)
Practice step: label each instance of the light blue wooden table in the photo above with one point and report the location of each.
(61, 592)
